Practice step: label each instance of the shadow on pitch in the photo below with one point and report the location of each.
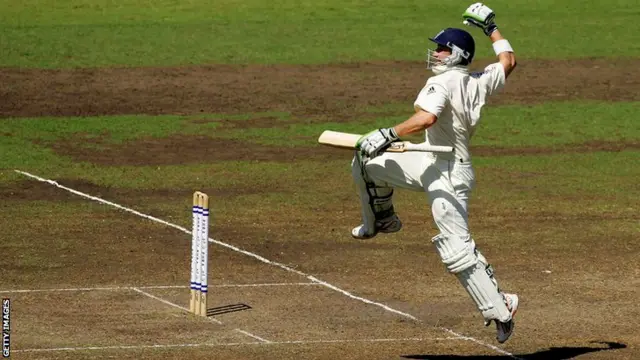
(554, 353)
(227, 309)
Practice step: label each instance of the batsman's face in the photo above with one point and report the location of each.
(441, 52)
(435, 57)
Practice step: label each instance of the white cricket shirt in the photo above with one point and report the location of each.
(456, 98)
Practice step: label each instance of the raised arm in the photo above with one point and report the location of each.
(504, 52)
(483, 17)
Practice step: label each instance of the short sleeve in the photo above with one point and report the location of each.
(432, 98)
(492, 79)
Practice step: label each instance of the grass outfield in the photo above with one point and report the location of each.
(74, 33)
(548, 126)
(506, 126)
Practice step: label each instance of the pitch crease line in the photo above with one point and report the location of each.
(264, 260)
(113, 288)
(263, 343)
(253, 336)
(172, 304)
(120, 288)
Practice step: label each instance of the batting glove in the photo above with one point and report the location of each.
(481, 16)
(371, 144)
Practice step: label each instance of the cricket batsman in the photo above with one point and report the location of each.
(447, 110)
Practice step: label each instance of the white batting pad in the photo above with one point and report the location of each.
(458, 254)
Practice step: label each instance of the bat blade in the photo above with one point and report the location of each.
(338, 139)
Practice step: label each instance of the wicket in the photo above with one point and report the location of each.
(199, 254)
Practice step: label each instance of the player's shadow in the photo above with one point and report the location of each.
(227, 309)
(554, 353)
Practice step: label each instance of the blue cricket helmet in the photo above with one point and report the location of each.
(461, 43)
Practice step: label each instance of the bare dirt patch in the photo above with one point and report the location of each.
(30, 190)
(264, 122)
(586, 147)
(182, 149)
(339, 90)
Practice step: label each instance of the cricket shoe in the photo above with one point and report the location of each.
(505, 329)
(389, 225)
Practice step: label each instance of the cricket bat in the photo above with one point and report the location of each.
(348, 141)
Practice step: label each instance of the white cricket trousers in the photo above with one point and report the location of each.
(447, 183)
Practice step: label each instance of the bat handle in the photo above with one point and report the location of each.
(429, 148)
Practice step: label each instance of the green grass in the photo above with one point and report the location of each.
(557, 175)
(568, 174)
(558, 123)
(550, 176)
(74, 33)
(28, 140)
(116, 129)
